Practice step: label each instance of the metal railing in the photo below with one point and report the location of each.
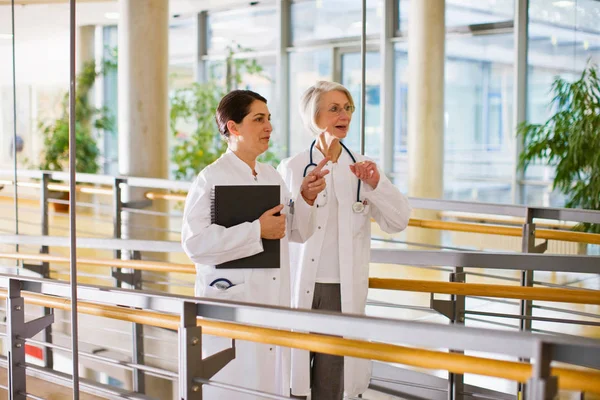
(356, 336)
(457, 260)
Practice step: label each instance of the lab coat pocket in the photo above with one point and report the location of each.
(288, 211)
(214, 344)
(361, 221)
(234, 293)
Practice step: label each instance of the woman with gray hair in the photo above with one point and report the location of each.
(330, 271)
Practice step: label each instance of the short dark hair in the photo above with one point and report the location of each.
(234, 107)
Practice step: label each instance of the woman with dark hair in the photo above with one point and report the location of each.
(243, 119)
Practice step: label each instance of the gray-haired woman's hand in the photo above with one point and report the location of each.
(314, 182)
(367, 172)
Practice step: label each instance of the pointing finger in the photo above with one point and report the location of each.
(320, 166)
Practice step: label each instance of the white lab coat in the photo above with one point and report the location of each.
(391, 211)
(256, 366)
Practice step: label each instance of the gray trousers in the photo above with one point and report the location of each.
(327, 371)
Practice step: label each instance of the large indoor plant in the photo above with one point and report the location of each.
(192, 118)
(570, 141)
(88, 120)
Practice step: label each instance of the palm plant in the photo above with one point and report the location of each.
(570, 141)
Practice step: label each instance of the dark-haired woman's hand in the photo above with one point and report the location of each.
(314, 182)
(272, 226)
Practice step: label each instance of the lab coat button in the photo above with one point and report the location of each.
(274, 278)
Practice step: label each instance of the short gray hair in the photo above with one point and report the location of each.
(309, 103)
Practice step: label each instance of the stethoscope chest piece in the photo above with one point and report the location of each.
(358, 207)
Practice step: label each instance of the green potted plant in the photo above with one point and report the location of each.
(570, 141)
(192, 118)
(55, 153)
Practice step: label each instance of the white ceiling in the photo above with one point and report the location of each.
(38, 18)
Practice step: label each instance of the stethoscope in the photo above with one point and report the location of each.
(358, 206)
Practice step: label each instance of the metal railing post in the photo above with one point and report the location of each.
(45, 266)
(526, 306)
(117, 223)
(137, 336)
(17, 330)
(542, 386)
(456, 382)
(190, 354)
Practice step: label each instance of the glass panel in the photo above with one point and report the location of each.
(478, 155)
(467, 12)
(182, 41)
(351, 79)
(543, 196)
(263, 83)
(259, 29)
(333, 19)
(401, 119)
(306, 68)
(478, 118)
(41, 81)
(110, 151)
(563, 36)
(470, 12)
(567, 13)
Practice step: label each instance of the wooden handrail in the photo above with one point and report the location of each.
(504, 220)
(155, 266)
(576, 296)
(487, 229)
(63, 188)
(165, 196)
(568, 379)
(548, 234)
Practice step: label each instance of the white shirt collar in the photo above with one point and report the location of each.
(241, 164)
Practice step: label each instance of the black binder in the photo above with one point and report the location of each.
(233, 205)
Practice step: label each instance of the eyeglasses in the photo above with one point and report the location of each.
(338, 110)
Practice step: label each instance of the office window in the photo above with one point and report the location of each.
(305, 69)
(182, 55)
(401, 117)
(582, 14)
(478, 158)
(471, 12)
(263, 83)
(252, 27)
(333, 19)
(467, 12)
(478, 118)
(563, 37)
(110, 138)
(351, 79)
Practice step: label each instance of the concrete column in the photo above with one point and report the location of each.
(426, 42)
(143, 111)
(143, 104)
(143, 97)
(144, 129)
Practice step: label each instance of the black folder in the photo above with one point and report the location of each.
(233, 205)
